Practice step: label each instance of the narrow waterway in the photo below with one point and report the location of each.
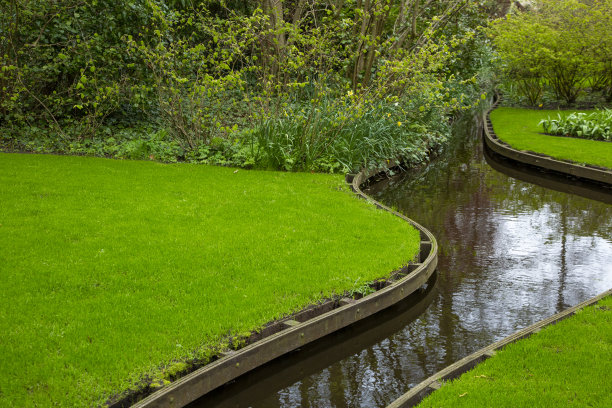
(512, 252)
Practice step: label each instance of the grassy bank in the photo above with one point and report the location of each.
(567, 364)
(519, 128)
(112, 270)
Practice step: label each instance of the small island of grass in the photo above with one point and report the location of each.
(520, 128)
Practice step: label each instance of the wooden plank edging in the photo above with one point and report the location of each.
(205, 379)
(426, 387)
(494, 143)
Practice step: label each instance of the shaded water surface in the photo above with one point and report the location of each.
(511, 253)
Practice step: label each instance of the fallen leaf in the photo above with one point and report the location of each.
(463, 395)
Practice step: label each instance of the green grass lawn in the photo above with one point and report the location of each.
(568, 364)
(112, 269)
(519, 128)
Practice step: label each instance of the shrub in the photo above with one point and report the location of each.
(565, 45)
(64, 62)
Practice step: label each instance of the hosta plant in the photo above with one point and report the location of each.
(596, 125)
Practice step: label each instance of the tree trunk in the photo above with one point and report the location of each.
(371, 57)
(274, 43)
(360, 59)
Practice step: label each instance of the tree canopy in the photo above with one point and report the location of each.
(564, 44)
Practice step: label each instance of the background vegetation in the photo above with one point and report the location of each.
(326, 85)
(558, 51)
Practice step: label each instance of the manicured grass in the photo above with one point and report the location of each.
(565, 365)
(519, 128)
(112, 269)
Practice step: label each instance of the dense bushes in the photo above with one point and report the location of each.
(558, 47)
(64, 64)
(308, 85)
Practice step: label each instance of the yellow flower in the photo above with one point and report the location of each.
(399, 123)
(388, 115)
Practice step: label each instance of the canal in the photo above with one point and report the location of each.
(516, 246)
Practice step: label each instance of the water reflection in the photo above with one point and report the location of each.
(511, 253)
(550, 180)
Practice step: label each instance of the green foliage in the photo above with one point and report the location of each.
(401, 113)
(565, 45)
(361, 289)
(596, 125)
(64, 63)
(346, 138)
(142, 143)
(196, 81)
(304, 86)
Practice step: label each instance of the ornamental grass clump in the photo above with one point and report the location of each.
(594, 126)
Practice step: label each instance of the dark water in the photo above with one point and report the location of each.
(511, 253)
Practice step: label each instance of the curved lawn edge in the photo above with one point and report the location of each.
(306, 326)
(494, 143)
(426, 387)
